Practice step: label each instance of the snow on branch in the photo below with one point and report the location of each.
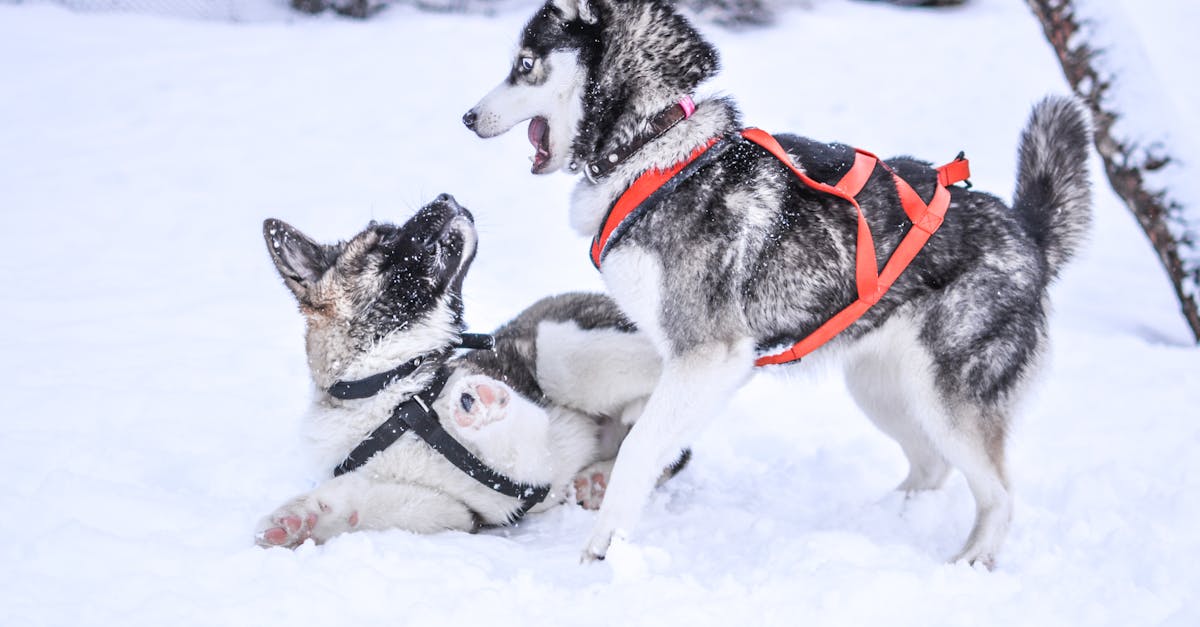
(1135, 166)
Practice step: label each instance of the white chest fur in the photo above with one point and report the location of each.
(634, 279)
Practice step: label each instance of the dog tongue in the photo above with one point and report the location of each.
(538, 130)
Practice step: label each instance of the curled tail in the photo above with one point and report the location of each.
(1053, 196)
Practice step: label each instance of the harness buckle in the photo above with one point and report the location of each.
(476, 341)
(957, 171)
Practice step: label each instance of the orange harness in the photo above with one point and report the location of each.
(871, 284)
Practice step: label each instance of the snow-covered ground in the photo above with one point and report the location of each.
(153, 370)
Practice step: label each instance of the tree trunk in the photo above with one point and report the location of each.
(1124, 160)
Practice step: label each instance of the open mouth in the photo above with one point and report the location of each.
(539, 136)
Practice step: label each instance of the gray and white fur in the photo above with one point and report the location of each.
(392, 293)
(742, 259)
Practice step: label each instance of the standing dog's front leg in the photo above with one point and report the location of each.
(694, 387)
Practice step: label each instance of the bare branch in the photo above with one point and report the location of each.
(1124, 160)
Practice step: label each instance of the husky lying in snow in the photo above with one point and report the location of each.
(740, 258)
(547, 406)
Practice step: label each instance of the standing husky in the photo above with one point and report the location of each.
(529, 409)
(740, 258)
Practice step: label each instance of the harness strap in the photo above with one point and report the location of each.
(417, 415)
(641, 189)
(425, 424)
(395, 426)
(872, 285)
(866, 275)
(370, 386)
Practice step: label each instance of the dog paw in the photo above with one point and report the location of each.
(478, 401)
(589, 489)
(985, 559)
(304, 518)
(597, 547)
(591, 483)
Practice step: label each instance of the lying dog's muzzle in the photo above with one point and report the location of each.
(446, 207)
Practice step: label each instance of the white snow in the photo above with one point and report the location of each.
(1153, 86)
(154, 376)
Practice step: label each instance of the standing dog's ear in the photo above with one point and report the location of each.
(572, 9)
(300, 260)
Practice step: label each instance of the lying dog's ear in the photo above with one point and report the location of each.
(299, 260)
(572, 9)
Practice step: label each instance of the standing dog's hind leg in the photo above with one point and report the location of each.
(927, 469)
(892, 379)
(694, 387)
(884, 387)
(973, 442)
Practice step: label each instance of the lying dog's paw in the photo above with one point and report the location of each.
(508, 431)
(478, 401)
(305, 517)
(591, 483)
(589, 490)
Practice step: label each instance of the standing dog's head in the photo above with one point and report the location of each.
(388, 294)
(589, 74)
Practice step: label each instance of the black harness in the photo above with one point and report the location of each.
(416, 415)
(374, 384)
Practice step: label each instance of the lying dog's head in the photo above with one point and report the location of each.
(388, 294)
(590, 73)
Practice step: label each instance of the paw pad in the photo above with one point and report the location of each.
(589, 490)
(478, 402)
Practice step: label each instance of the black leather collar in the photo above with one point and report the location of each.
(659, 124)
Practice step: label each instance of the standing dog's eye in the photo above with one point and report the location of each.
(467, 401)
(526, 65)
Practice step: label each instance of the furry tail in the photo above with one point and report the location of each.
(1053, 196)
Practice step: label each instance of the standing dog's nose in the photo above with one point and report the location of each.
(469, 119)
(448, 199)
